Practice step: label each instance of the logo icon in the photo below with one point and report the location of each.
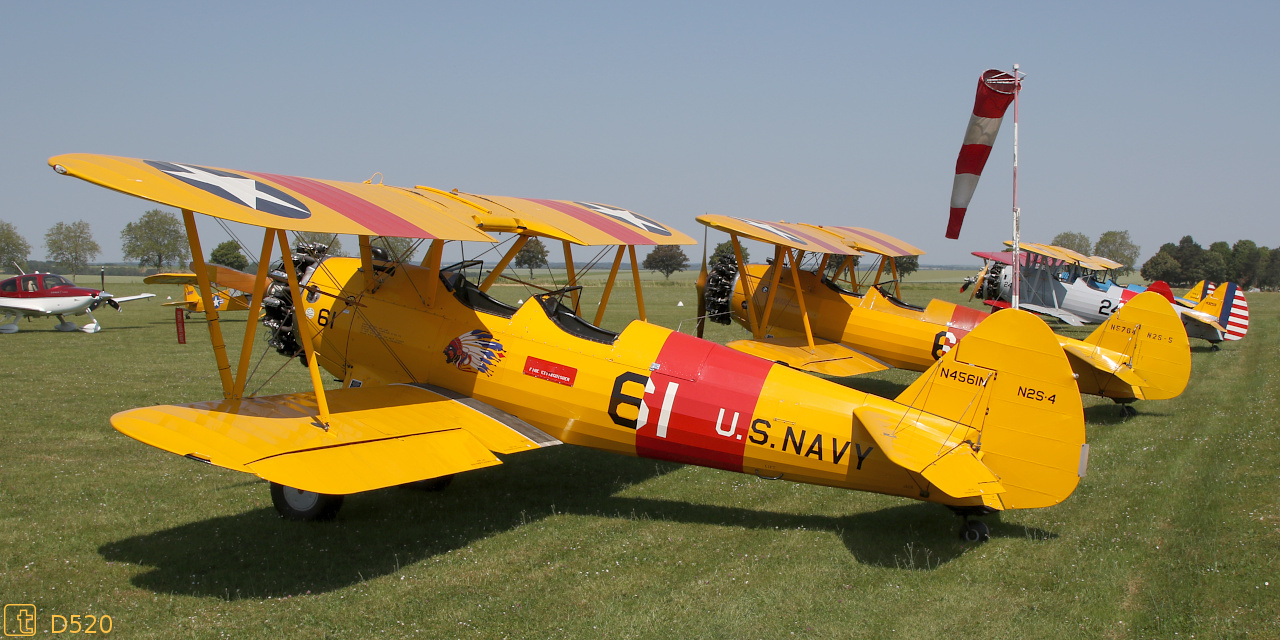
(19, 620)
(475, 352)
(242, 190)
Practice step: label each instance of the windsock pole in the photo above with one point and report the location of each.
(1017, 232)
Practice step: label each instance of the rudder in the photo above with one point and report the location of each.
(1028, 411)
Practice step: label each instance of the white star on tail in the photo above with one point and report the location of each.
(625, 216)
(774, 230)
(243, 189)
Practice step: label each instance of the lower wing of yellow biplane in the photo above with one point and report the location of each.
(826, 357)
(378, 436)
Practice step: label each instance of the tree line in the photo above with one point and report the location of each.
(156, 239)
(1112, 245)
(1186, 263)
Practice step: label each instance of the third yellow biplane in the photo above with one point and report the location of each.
(808, 310)
(437, 376)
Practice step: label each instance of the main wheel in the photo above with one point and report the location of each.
(297, 505)
(1128, 411)
(975, 531)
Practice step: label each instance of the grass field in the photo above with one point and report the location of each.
(1174, 533)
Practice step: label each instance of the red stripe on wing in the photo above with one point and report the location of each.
(596, 220)
(379, 221)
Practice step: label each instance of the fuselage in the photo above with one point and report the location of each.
(44, 294)
(901, 335)
(647, 391)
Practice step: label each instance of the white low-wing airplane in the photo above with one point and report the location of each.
(48, 294)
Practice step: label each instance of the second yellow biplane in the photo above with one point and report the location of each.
(438, 376)
(230, 289)
(808, 310)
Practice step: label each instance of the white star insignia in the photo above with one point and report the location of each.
(243, 189)
(625, 216)
(774, 230)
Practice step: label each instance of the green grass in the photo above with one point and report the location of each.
(1175, 532)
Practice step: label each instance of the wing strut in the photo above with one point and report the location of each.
(795, 281)
(255, 306)
(608, 287)
(773, 285)
(573, 277)
(635, 276)
(304, 328)
(502, 264)
(432, 262)
(210, 313)
(757, 331)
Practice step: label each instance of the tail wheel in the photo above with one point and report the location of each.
(719, 292)
(300, 506)
(975, 531)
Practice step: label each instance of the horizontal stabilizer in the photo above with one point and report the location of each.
(378, 436)
(827, 358)
(1065, 316)
(952, 467)
(218, 275)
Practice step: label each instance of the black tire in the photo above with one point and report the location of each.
(304, 506)
(432, 484)
(975, 531)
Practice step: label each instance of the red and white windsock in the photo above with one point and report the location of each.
(995, 91)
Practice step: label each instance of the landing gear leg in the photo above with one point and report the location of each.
(297, 505)
(11, 323)
(65, 325)
(93, 326)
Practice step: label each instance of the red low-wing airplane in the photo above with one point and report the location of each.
(49, 294)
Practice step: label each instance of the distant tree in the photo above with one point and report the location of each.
(71, 246)
(13, 247)
(330, 240)
(1161, 266)
(1269, 273)
(228, 254)
(1243, 269)
(1188, 254)
(1078, 242)
(1116, 245)
(666, 259)
(1211, 267)
(156, 239)
(532, 256)
(908, 265)
(401, 249)
(726, 249)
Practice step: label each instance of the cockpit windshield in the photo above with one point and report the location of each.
(53, 280)
(840, 273)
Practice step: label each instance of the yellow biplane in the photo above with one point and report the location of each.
(230, 292)
(437, 376)
(808, 310)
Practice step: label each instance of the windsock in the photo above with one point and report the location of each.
(995, 91)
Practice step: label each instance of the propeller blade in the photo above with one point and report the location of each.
(702, 287)
(978, 283)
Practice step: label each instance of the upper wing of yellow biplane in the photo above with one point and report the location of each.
(788, 234)
(218, 274)
(587, 223)
(1049, 251)
(276, 201)
(360, 208)
(1105, 263)
(378, 436)
(874, 241)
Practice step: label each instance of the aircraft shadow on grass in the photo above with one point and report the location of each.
(256, 554)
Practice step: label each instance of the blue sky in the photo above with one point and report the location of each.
(1156, 118)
